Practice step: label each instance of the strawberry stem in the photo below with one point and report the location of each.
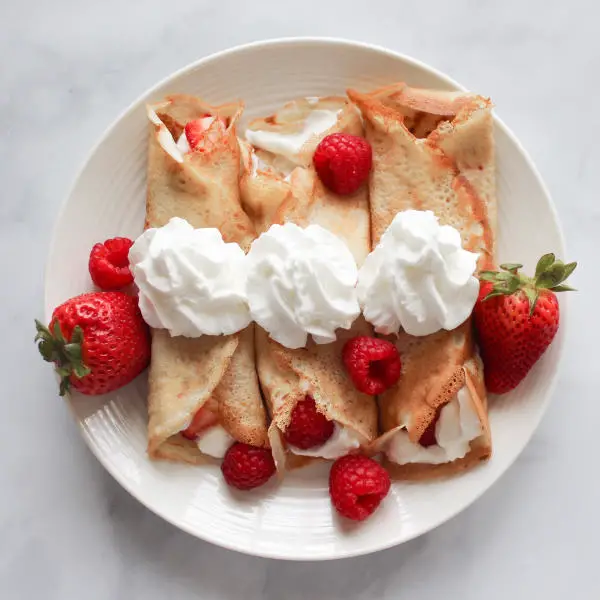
(550, 274)
(66, 355)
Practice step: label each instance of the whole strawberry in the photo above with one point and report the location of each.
(516, 318)
(98, 342)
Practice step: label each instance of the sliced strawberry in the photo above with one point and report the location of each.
(195, 131)
(202, 420)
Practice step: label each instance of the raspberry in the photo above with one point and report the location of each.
(428, 438)
(373, 364)
(246, 467)
(308, 428)
(109, 264)
(357, 485)
(343, 162)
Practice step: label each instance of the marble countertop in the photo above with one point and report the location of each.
(66, 528)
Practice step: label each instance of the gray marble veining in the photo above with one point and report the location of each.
(66, 528)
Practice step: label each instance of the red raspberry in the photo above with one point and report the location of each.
(343, 162)
(428, 436)
(357, 485)
(109, 264)
(246, 467)
(308, 428)
(373, 364)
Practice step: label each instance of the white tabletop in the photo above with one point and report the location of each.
(67, 530)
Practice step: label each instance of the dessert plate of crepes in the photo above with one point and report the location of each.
(312, 223)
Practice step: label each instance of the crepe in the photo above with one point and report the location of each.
(215, 372)
(433, 151)
(278, 189)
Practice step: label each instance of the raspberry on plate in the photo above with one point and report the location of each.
(109, 264)
(308, 427)
(373, 364)
(357, 485)
(343, 162)
(246, 467)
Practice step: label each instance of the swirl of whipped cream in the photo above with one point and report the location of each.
(190, 281)
(418, 278)
(301, 282)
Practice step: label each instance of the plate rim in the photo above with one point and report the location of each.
(291, 41)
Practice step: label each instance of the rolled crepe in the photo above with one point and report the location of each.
(280, 187)
(433, 151)
(212, 372)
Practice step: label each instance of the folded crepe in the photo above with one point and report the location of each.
(279, 185)
(214, 373)
(434, 151)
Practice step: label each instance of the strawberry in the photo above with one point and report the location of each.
(516, 318)
(196, 131)
(204, 418)
(98, 342)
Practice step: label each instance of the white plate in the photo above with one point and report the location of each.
(294, 521)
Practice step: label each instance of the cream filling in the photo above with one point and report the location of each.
(456, 428)
(343, 441)
(214, 441)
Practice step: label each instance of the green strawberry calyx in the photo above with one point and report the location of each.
(66, 355)
(550, 274)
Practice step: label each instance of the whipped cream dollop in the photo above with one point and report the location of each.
(287, 146)
(342, 442)
(418, 278)
(301, 282)
(190, 281)
(457, 426)
(214, 441)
